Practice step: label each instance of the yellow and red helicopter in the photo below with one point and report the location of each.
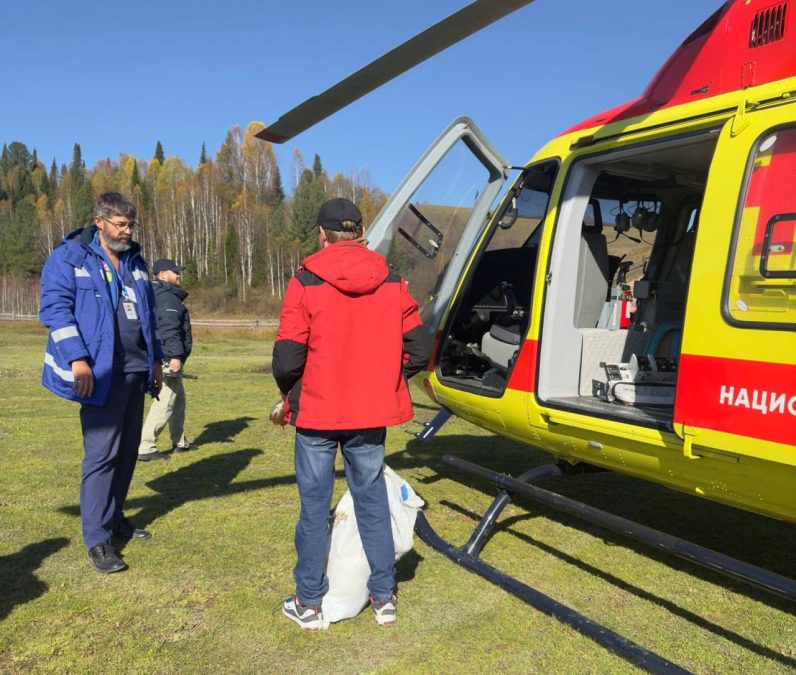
(629, 301)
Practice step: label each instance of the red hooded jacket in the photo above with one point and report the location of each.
(349, 338)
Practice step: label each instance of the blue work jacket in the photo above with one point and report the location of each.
(77, 307)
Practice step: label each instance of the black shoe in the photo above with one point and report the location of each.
(126, 530)
(152, 456)
(105, 559)
(183, 448)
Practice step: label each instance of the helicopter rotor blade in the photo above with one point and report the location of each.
(440, 36)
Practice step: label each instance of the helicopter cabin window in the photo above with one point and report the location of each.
(618, 280)
(489, 323)
(761, 284)
(430, 225)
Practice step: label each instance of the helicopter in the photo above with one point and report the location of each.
(628, 301)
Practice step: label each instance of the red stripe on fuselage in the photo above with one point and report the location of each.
(523, 377)
(731, 395)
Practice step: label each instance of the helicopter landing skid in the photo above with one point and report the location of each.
(467, 556)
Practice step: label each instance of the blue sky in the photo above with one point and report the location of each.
(118, 77)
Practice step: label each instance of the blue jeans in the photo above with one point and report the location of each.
(363, 457)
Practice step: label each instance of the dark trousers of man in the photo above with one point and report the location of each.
(111, 434)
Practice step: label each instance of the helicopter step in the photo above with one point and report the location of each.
(467, 556)
(431, 428)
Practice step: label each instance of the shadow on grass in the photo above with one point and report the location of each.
(20, 585)
(406, 567)
(623, 585)
(223, 431)
(755, 539)
(207, 478)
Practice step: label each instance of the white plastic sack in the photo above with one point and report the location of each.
(347, 567)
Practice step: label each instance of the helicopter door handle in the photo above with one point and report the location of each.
(765, 272)
(436, 242)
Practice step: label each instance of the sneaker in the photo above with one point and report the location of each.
(183, 448)
(386, 612)
(309, 618)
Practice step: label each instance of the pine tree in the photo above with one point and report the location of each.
(135, 176)
(5, 160)
(18, 251)
(159, 154)
(53, 175)
(317, 169)
(203, 156)
(18, 155)
(231, 258)
(307, 199)
(77, 167)
(276, 193)
(82, 206)
(44, 183)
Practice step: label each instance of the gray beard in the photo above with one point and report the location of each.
(118, 246)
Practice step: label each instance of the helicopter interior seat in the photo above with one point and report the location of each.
(594, 272)
(503, 287)
(593, 276)
(666, 314)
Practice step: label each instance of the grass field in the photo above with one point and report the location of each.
(203, 595)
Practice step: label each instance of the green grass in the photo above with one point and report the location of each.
(202, 596)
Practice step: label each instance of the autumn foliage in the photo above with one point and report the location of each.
(228, 219)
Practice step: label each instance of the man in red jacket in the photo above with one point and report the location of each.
(349, 338)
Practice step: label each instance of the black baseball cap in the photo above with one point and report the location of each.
(337, 210)
(166, 265)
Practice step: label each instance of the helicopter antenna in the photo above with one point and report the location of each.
(440, 36)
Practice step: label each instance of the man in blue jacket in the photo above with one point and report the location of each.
(102, 351)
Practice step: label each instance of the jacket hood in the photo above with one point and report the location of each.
(85, 235)
(349, 266)
(166, 287)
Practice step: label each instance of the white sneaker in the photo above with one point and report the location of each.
(386, 612)
(309, 618)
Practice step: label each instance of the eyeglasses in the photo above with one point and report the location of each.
(122, 226)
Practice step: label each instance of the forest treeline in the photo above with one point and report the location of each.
(228, 219)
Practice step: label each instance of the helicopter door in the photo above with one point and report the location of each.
(430, 224)
(736, 388)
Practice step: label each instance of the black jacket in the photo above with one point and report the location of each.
(173, 321)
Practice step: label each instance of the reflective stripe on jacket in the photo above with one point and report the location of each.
(76, 306)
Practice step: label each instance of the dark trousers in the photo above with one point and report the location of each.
(111, 434)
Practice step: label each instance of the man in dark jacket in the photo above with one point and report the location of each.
(102, 352)
(349, 338)
(174, 331)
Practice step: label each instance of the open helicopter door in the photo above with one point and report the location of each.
(736, 396)
(436, 215)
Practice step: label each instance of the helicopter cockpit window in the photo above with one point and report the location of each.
(430, 226)
(524, 210)
(487, 329)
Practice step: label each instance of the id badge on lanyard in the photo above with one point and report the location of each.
(129, 303)
(128, 299)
